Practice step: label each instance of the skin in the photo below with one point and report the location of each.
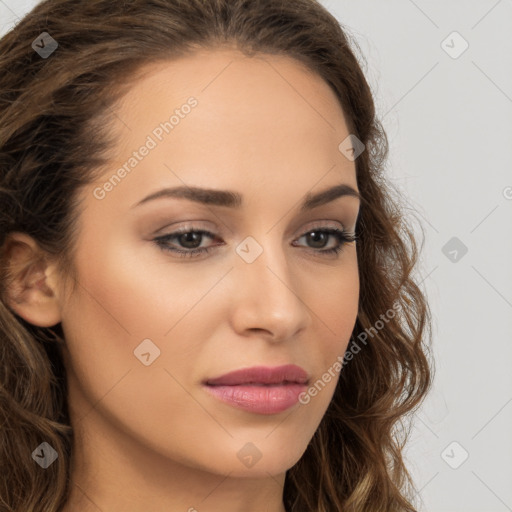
(150, 437)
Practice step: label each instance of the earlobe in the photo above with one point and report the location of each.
(30, 292)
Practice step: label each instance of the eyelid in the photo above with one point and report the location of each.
(324, 224)
(197, 226)
(188, 225)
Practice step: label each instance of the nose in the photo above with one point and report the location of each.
(269, 297)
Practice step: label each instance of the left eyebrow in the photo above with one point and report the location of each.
(230, 199)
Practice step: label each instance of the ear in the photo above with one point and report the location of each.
(31, 285)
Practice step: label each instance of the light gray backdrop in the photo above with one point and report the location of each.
(441, 72)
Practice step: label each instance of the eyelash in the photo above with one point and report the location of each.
(343, 238)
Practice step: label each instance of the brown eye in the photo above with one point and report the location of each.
(189, 239)
(318, 238)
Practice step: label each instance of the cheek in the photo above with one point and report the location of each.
(124, 308)
(133, 293)
(336, 306)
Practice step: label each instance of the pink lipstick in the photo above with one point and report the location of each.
(260, 389)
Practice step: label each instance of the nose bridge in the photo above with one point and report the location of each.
(267, 295)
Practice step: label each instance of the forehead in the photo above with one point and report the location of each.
(247, 96)
(229, 71)
(255, 121)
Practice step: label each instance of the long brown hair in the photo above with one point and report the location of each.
(53, 137)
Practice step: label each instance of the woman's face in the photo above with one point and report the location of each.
(148, 326)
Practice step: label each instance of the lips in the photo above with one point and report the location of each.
(260, 389)
(262, 376)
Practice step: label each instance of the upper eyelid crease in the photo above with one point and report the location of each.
(232, 199)
(322, 226)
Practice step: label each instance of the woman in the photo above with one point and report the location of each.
(207, 300)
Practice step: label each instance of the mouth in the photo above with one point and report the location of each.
(260, 390)
(262, 375)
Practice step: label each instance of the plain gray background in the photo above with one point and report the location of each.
(448, 116)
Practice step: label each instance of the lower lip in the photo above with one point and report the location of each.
(270, 399)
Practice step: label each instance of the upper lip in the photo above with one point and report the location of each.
(289, 373)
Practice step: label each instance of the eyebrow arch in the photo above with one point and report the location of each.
(232, 199)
